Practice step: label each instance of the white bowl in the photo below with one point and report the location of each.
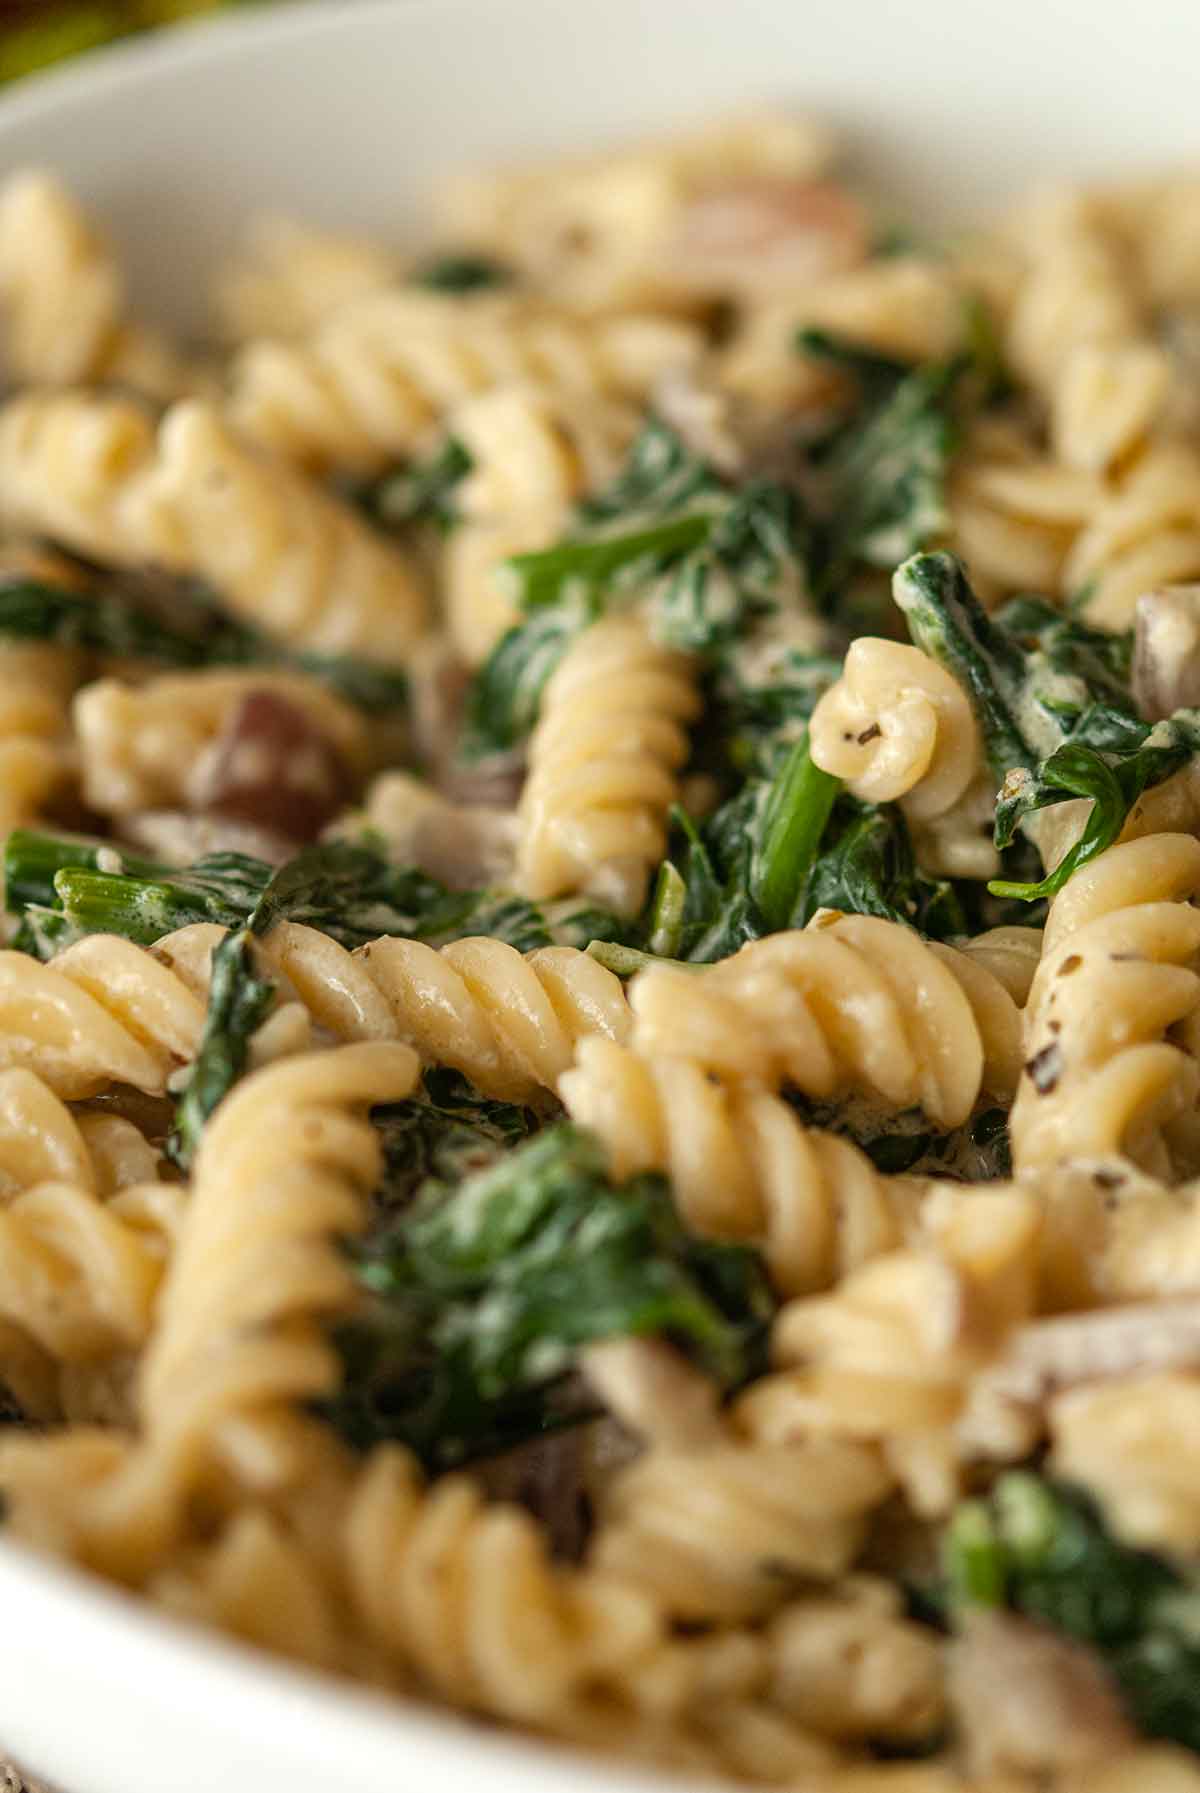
(347, 113)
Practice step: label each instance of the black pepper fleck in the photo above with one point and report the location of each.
(1045, 1068)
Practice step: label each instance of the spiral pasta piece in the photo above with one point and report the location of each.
(240, 1338)
(91, 473)
(740, 1163)
(1118, 972)
(534, 452)
(288, 278)
(714, 1533)
(78, 1278)
(1132, 1443)
(36, 683)
(1077, 334)
(851, 1002)
(1014, 513)
(63, 298)
(257, 1582)
(1144, 535)
(602, 765)
(890, 1354)
(465, 1596)
(104, 1011)
(40, 1139)
(152, 745)
(903, 306)
(896, 725)
(368, 385)
(509, 1022)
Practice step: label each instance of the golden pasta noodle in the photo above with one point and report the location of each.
(602, 766)
(369, 385)
(560, 1155)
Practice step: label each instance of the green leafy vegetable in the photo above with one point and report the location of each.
(486, 1291)
(743, 874)
(238, 1002)
(111, 621)
(351, 892)
(884, 467)
(448, 1134)
(1043, 1549)
(706, 563)
(1055, 710)
(426, 492)
(59, 889)
(462, 273)
(867, 867)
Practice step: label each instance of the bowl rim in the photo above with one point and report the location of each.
(247, 1686)
(202, 40)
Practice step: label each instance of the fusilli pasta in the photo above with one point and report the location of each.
(91, 473)
(368, 386)
(602, 765)
(1117, 974)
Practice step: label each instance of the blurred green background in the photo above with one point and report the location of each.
(33, 35)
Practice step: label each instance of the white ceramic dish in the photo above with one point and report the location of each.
(346, 113)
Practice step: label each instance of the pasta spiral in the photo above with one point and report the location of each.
(510, 1022)
(1077, 335)
(1144, 535)
(289, 278)
(104, 1011)
(75, 1275)
(602, 764)
(364, 390)
(534, 452)
(612, 229)
(63, 298)
(240, 1339)
(714, 1533)
(897, 725)
(1133, 1444)
(1118, 972)
(740, 1164)
(851, 1002)
(464, 1595)
(90, 473)
(889, 1355)
(1013, 511)
(36, 760)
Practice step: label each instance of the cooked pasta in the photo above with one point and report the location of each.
(848, 1003)
(105, 1011)
(91, 473)
(373, 380)
(288, 278)
(740, 1163)
(650, 224)
(239, 1337)
(898, 726)
(602, 765)
(600, 1000)
(534, 453)
(63, 300)
(509, 1021)
(1116, 977)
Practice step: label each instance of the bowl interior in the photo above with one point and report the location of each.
(347, 113)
